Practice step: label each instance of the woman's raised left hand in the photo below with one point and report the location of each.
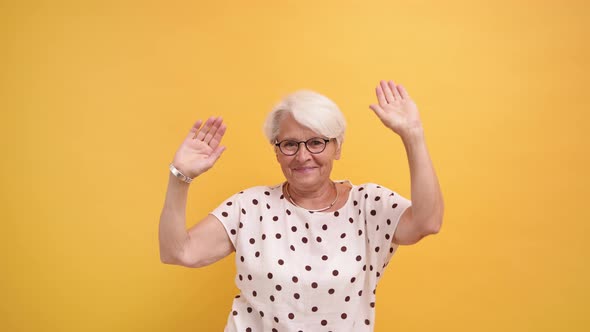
(396, 109)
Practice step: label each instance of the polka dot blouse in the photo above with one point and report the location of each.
(309, 271)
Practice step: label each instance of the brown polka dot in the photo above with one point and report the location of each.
(343, 316)
(257, 254)
(353, 279)
(291, 315)
(319, 239)
(263, 236)
(367, 322)
(249, 310)
(324, 258)
(296, 296)
(255, 201)
(314, 309)
(252, 241)
(278, 235)
(394, 205)
(308, 268)
(335, 273)
(325, 227)
(228, 203)
(224, 214)
(314, 285)
(278, 287)
(235, 313)
(331, 291)
(261, 313)
(358, 258)
(343, 249)
(276, 319)
(292, 248)
(281, 262)
(343, 235)
(346, 299)
(304, 239)
(324, 322)
(294, 229)
(233, 232)
(254, 293)
(373, 212)
(269, 275)
(275, 218)
(243, 211)
(376, 249)
(272, 298)
(288, 212)
(295, 279)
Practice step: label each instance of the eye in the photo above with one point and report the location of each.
(315, 142)
(289, 144)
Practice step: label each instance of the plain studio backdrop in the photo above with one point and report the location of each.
(96, 96)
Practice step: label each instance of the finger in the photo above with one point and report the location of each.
(195, 128)
(387, 90)
(218, 136)
(403, 92)
(380, 96)
(200, 134)
(393, 88)
(378, 110)
(214, 127)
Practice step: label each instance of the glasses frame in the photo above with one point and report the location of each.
(326, 141)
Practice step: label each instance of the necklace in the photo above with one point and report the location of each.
(318, 210)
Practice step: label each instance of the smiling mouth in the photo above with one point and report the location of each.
(303, 169)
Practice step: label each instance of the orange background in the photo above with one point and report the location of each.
(96, 96)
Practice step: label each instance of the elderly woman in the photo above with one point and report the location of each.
(309, 251)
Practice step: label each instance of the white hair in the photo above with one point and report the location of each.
(310, 109)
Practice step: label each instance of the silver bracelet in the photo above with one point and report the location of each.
(179, 175)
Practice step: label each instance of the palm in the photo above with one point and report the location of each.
(200, 149)
(396, 109)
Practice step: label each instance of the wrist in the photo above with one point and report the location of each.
(413, 135)
(179, 175)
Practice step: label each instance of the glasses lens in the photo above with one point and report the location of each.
(289, 147)
(315, 145)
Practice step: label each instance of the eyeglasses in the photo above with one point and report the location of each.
(313, 145)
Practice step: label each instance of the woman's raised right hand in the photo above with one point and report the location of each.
(200, 149)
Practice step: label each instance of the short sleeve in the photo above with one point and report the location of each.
(229, 213)
(384, 209)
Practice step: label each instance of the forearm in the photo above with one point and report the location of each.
(172, 230)
(427, 200)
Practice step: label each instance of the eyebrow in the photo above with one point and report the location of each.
(296, 139)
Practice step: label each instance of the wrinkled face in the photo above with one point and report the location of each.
(305, 169)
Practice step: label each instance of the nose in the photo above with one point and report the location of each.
(302, 154)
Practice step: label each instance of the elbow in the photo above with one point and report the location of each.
(180, 260)
(435, 223)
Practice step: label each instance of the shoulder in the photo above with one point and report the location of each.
(370, 188)
(258, 192)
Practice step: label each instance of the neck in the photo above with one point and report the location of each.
(318, 200)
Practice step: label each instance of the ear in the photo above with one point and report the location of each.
(338, 151)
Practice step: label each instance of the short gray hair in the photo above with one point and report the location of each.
(310, 109)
